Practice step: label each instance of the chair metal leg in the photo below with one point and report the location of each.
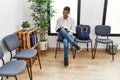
(59, 46)
(73, 52)
(56, 49)
(1, 77)
(29, 69)
(29, 72)
(7, 77)
(112, 52)
(106, 47)
(15, 77)
(95, 48)
(39, 60)
(92, 50)
(87, 46)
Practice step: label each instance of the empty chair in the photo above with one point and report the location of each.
(86, 38)
(102, 36)
(11, 68)
(12, 42)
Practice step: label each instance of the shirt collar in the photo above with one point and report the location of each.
(65, 19)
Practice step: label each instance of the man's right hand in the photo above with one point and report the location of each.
(61, 26)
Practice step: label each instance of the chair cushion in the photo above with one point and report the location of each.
(25, 54)
(105, 41)
(12, 68)
(59, 40)
(83, 41)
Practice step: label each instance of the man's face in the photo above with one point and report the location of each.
(65, 13)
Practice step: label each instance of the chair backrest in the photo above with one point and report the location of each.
(1, 53)
(102, 30)
(12, 42)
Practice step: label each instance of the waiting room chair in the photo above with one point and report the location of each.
(58, 48)
(11, 68)
(12, 42)
(84, 41)
(102, 36)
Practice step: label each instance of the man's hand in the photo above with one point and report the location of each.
(61, 26)
(68, 30)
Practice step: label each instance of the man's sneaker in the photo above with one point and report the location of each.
(78, 48)
(66, 63)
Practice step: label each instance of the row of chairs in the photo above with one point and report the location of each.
(102, 36)
(15, 67)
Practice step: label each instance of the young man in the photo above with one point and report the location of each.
(65, 27)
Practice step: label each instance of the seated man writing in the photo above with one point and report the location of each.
(65, 27)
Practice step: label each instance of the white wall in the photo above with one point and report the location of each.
(12, 14)
(91, 14)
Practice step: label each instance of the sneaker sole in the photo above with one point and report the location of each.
(79, 50)
(66, 66)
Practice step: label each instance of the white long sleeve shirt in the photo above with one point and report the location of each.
(68, 23)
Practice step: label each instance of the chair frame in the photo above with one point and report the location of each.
(105, 35)
(29, 65)
(7, 76)
(85, 41)
(58, 48)
(3, 62)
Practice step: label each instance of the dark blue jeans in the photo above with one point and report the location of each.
(66, 38)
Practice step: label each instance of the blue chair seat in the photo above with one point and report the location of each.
(10, 68)
(104, 41)
(26, 54)
(60, 40)
(83, 41)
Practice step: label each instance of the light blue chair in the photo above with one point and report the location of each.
(12, 42)
(102, 36)
(11, 68)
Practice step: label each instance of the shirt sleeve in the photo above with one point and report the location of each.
(72, 27)
(57, 25)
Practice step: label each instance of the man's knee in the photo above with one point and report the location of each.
(62, 31)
